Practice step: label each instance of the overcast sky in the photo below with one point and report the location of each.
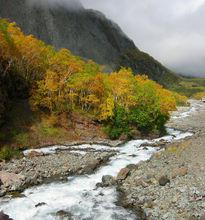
(171, 31)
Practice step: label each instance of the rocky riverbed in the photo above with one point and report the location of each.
(37, 167)
(168, 186)
(171, 185)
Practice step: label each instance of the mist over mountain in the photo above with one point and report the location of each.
(87, 33)
(70, 4)
(172, 31)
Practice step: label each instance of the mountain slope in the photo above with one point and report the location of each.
(87, 33)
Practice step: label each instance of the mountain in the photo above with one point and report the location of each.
(87, 33)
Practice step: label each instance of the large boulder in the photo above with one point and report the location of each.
(122, 175)
(179, 172)
(4, 216)
(108, 180)
(64, 215)
(92, 166)
(164, 180)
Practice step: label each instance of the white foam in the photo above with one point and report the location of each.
(54, 149)
(79, 194)
(184, 112)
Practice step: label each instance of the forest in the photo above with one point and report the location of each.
(58, 84)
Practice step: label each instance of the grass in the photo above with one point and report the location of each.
(7, 153)
(22, 139)
(177, 149)
(48, 131)
(25, 129)
(189, 86)
(199, 95)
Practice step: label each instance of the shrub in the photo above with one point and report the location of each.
(7, 153)
(65, 84)
(22, 139)
(181, 100)
(119, 123)
(199, 95)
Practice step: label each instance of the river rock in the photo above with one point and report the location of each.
(64, 215)
(123, 137)
(16, 194)
(163, 180)
(202, 217)
(35, 154)
(192, 218)
(92, 166)
(11, 180)
(182, 171)
(4, 216)
(40, 204)
(141, 182)
(122, 175)
(108, 180)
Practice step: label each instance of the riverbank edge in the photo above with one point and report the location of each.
(106, 142)
(87, 169)
(123, 199)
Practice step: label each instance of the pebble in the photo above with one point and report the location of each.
(175, 180)
(34, 170)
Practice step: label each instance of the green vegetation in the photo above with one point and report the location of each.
(6, 153)
(58, 89)
(143, 63)
(189, 86)
(199, 95)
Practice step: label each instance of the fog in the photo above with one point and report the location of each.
(72, 4)
(171, 31)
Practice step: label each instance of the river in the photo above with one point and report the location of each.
(79, 195)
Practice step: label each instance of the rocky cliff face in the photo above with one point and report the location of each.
(87, 33)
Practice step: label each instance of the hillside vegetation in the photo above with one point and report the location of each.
(190, 86)
(64, 27)
(57, 89)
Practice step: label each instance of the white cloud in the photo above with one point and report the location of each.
(188, 6)
(171, 31)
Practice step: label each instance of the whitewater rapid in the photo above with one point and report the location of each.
(183, 112)
(79, 195)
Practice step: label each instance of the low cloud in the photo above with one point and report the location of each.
(171, 31)
(72, 4)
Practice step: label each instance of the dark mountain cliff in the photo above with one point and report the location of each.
(87, 33)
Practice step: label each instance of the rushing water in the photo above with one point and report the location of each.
(184, 112)
(79, 194)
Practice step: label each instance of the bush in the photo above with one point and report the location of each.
(199, 95)
(7, 153)
(65, 84)
(142, 118)
(22, 139)
(181, 100)
(119, 124)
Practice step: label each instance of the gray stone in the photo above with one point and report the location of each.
(40, 204)
(108, 180)
(163, 180)
(64, 215)
(202, 217)
(122, 175)
(4, 216)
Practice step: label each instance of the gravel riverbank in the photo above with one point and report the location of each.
(171, 185)
(37, 168)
